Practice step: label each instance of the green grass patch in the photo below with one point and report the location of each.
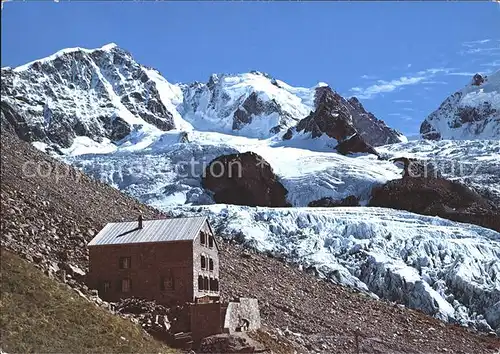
(38, 314)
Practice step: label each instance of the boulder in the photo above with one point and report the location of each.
(437, 197)
(225, 343)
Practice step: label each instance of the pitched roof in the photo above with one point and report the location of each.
(164, 230)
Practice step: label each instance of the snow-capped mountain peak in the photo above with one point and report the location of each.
(106, 48)
(252, 104)
(471, 113)
(99, 94)
(104, 97)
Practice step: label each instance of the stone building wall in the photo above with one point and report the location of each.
(151, 265)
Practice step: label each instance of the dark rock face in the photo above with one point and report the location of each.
(429, 132)
(244, 179)
(355, 144)
(254, 106)
(474, 114)
(374, 131)
(349, 201)
(333, 118)
(477, 80)
(12, 121)
(437, 196)
(80, 93)
(471, 113)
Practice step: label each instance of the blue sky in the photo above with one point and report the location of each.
(402, 59)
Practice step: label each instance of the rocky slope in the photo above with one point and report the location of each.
(43, 214)
(471, 113)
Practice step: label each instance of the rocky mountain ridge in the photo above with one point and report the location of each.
(99, 94)
(470, 113)
(103, 96)
(332, 117)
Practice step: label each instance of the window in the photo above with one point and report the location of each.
(167, 283)
(125, 262)
(126, 285)
(206, 285)
(200, 282)
(203, 238)
(210, 264)
(210, 241)
(203, 262)
(106, 286)
(214, 284)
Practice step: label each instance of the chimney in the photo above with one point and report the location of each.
(139, 221)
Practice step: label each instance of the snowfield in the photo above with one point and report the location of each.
(168, 172)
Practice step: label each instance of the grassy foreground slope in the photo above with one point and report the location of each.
(38, 314)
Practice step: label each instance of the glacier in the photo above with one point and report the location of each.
(126, 125)
(446, 269)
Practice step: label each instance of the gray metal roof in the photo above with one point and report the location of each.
(164, 230)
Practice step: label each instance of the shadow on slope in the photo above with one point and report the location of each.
(38, 314)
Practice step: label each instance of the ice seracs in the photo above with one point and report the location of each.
(446, 269)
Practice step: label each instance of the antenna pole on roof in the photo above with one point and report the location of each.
(139, 221)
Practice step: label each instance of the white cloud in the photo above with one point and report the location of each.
(472, 44)
(368, 77)
(489, 51)
(402, 101)
(495, 63)
(383, 86)
(435, 82)
(423, 77)
(409, 66)
(462, 73)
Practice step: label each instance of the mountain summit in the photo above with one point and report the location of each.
(471, 113)
(103, 96)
